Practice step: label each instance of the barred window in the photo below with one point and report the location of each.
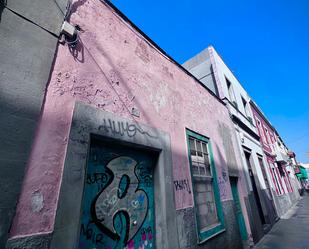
(203, 180)
(208, 211)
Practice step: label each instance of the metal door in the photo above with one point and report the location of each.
(118, 202)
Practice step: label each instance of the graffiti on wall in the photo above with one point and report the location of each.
(222, 188)
(182, 185)
(123, 128)
(223, 185)
(227, 139)
(122, 190)
(118, 205)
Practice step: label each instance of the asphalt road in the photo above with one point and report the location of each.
(290, 232)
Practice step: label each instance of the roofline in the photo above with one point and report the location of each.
(236, 77)
(250, 99)
(262, 114)
(264, 117)
(125, 18)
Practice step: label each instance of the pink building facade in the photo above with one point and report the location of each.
(280, 180)
(131, 150)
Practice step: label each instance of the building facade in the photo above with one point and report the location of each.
(211, 70)
(280, 180)
(121, 146)
(302, 176)
(131, 150)
(292, 169)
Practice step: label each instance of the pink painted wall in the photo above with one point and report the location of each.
(266, 141)
(114, 68)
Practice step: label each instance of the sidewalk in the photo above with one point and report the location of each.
(290, 232)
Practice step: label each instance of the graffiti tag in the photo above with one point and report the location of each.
(222, 187)
(114, 200)
(101, 178)
(182, 185)
(90, 234)
(122, 128)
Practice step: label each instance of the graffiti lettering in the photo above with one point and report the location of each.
(101, 178)
(146, 233)
(181, 185)
(122, 128)
(143, 171)
(118, 200)
(146, 238)
(222, 187)
(224, 175)
(88, 232)
(114, 199)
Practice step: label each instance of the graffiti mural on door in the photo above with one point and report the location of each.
(118, 202)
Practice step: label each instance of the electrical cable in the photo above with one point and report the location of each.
(65, 15)
(59, 7)
(32, 22)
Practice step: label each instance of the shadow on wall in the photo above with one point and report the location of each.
(74, 7)
(81, 47)
(229, 235)
(17, 130)
(78, 54)
(79, 50)
(223, 180)
(19, 117)
(223, 174)
(2, 6)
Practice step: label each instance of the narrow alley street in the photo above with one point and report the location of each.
(109, 142)
(290, 232)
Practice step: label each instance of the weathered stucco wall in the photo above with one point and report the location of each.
(26, 56)
(266, 144)
(114, 68)
(284, 201)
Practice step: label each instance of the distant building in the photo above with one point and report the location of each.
(303, 175)
(282, 184)
(210, 69)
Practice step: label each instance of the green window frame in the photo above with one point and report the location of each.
(200, 176)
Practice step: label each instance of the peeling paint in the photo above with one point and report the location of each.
(37, 202)
(114, 76)
(142, 52)
(159, 98)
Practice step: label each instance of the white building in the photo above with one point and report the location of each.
(211, 70)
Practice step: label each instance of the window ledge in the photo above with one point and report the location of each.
(210, 237)
(210, 227)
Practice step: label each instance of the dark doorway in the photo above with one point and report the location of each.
(254, 187)
(118, 203)
(268, 189)
(239, 215)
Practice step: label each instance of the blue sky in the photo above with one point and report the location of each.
(265, 44)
